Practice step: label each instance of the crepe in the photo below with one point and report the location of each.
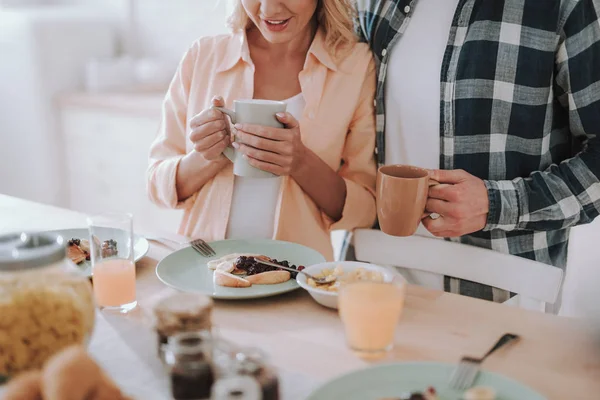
(76, 254)
(230, 259)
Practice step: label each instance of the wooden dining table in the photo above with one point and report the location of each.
(556, 356)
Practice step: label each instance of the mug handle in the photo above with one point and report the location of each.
(229, 152)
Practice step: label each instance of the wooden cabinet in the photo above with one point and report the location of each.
(106, 156)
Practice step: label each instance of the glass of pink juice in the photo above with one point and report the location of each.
(112, 255)
(370, 312)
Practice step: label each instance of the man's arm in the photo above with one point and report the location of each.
(563, 195)
(567, 194)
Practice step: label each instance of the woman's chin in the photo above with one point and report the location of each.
(277, 37)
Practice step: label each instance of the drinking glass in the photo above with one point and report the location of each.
(113, 266)
(370, 312)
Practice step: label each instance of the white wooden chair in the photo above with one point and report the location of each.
(581, 297)
(535, 283)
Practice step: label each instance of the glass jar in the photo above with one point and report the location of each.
(252, 362)
(46, 303)
(189, 358)
(180, 313)
(236, 387)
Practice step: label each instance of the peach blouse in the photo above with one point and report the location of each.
(338, 124)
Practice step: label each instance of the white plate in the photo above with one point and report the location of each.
(140, 247)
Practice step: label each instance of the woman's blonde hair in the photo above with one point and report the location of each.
(335, 17)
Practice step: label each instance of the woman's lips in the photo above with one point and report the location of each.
(276, 25)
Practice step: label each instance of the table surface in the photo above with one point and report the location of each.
(557, 356)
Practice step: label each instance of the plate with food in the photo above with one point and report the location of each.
(420, 381)
(336, 273)
(78, 246)
(235, 272)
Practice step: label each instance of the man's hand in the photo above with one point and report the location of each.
(460, 200)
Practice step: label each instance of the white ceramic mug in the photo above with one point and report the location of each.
(255, 112)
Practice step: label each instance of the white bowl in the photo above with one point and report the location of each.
(330, 299)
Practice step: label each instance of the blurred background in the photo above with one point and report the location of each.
(81, 86)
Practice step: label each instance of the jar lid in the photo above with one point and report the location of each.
(250, 360)
(190, 343)
(30, 250)
(184, 305)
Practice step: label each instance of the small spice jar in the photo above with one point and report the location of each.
(182, 312)
(253, 363)
(189, 359)
(236, 387)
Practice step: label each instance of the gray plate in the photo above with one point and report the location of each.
(141, 245)
(393, 380)
(186, 270)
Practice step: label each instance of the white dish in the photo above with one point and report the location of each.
(330, 299)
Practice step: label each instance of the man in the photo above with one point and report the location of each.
(501, 98)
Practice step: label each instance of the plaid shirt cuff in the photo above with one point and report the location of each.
(505, 206)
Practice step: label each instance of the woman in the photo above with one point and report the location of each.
(303, 52)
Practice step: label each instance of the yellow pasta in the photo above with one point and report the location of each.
(37, 321)
(356, 275)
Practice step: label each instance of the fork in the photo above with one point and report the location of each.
(203, 248)
(466, 371)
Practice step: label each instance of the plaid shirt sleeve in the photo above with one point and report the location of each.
(567, 194)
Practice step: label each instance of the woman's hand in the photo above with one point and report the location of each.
(210, 135)
(210, 131)
(276, 150)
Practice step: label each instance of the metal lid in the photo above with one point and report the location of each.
(30, 250)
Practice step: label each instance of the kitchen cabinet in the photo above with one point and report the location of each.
(106, 141)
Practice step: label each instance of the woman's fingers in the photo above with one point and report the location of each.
(262, 155)
(218, 101)
(274, 146)
(288, 120)
(205, 117)
(216, 150)
(265, 132)
(209, 141)
(265, 166)
(207, 129)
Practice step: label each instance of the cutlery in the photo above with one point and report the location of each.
(203, 248)
(465, 373)
(319, 281)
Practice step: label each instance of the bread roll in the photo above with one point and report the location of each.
(71, 375)
(26, 386)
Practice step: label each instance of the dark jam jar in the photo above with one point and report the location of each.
(189, 358)
(179, 313)
(253, 362)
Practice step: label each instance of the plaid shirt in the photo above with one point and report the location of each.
(520, 109)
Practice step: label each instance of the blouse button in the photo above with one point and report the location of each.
(406, 9)
(383, 52)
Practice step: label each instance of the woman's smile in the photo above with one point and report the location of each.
(276, 25)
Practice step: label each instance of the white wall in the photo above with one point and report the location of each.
(167, 27)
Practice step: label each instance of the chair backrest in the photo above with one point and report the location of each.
(528, 278)
(580, 295)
